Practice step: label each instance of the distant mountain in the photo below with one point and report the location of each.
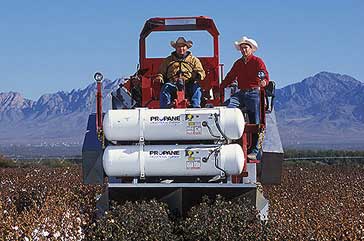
(54, 118)
(325, 110)
(13, 107)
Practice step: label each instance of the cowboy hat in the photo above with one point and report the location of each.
(245, 40)
(181, 40)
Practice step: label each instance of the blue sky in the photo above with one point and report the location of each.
(47, 46)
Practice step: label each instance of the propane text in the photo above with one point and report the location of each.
(165, 118)
(164, 153)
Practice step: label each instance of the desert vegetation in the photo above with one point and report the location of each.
(314, 202)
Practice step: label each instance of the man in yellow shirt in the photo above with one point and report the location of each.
(179, 69)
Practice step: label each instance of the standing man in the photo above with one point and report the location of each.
(179, 69)
(245, 71)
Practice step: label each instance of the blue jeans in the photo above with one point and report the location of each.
(169, 90)
(249, 99)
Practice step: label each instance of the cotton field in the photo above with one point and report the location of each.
(314, 202)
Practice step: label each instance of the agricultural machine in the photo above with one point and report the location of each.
(179, 155)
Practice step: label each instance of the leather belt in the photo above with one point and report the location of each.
(250, 89)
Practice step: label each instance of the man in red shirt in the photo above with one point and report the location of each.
(251, 74)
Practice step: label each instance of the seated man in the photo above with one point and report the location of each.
(179, 69)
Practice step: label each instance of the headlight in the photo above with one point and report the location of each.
(98, 76)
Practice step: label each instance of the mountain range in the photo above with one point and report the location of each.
(54, 118)
(324, 110)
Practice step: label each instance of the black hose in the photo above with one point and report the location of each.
(219, 168)
(205, 159)
(219, 128)
(216, 152)
(204, 123)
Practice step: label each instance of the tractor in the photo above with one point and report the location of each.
(179, 155)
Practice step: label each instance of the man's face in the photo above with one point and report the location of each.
(246, 50)
(181, 49)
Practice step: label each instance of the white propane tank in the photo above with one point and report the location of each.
(173, 124)
(172, 160)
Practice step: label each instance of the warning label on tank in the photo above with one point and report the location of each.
(194, 128)
(193, 162)
(193, 165)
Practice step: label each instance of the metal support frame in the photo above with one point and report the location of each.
(180, 197)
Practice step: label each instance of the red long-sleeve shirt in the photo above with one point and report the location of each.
(246, 73)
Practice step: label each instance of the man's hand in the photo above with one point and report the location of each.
(196, 76)
(180, 84)
(263, 83)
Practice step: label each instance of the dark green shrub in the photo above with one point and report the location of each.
(141, 220)
(56, 163)
(26, 199)
(5, 163)
(223, 220)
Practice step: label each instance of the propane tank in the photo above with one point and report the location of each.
(173, 124)
(172, 160)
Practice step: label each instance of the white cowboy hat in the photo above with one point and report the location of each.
(181, 40)
(245, 40)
